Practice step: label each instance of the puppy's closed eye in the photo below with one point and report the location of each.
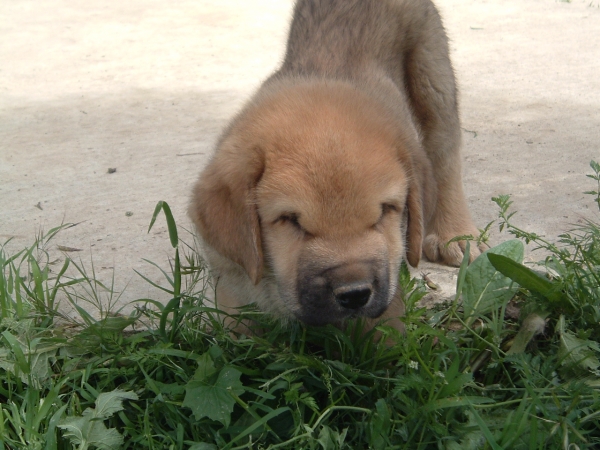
(291, 219)
(387, 208)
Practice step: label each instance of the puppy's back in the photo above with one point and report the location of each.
(348, 38)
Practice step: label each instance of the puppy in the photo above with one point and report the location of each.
(345, 161)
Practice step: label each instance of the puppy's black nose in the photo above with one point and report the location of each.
(352, 297)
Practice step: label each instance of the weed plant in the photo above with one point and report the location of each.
(510, 363)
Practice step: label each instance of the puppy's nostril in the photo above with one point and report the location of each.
(353, 298)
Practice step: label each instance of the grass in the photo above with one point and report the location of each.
(511, 363)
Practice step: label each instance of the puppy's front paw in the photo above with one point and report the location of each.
(437, 249)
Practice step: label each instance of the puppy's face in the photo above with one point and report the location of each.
(331, 222)
(318, 200)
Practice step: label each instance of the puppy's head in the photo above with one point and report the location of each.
(316, 184)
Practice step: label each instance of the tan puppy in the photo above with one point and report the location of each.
(346, 160)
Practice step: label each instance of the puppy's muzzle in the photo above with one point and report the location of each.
(353, 296)
(333, 294)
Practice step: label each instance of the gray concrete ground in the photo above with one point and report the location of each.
(145, 86)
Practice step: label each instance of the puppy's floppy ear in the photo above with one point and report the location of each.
(420, 202)
(415, 227)
(223, 205)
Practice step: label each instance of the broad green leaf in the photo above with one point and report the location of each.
(86, 432)
(206, 368)
(327, 438)
(575, 352)
(485, 288)
(89, 429)
(524, 276)
(331, 439)
(213, 400)
(105, 438)
(31, 362)
(76, 427)
(380, 425)
(109, 403)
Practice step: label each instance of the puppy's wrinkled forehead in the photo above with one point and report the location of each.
(337, 166)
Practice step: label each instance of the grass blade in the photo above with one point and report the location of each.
(172, 227)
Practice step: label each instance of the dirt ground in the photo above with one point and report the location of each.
(145, 86)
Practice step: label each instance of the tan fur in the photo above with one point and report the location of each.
(344, 162)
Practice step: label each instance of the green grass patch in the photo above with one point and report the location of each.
(511, 363)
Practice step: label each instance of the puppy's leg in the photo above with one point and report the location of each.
(430, 82)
